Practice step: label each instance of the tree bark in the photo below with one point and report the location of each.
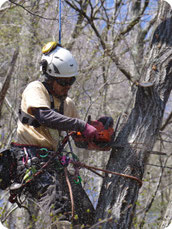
(167, 221)
(118, 195)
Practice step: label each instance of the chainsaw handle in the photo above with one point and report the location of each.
(109, 122)
(89, 119)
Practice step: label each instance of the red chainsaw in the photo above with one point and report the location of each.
(106, 135)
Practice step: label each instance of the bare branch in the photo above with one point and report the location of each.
(6, 83)
(106, 48)
(30, 12)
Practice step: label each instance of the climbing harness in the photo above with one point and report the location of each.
(42, 156)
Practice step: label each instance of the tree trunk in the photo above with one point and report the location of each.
(117, 201)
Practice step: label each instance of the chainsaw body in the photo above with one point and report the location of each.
(104, 139)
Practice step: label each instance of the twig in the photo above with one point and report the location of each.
(93, 171)
(149, 205)
(13, 209)
(101, 222)
(9, 213)
(165, 167)
(30, 12)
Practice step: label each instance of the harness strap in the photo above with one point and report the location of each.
(61, 108)
(51, 97)
(16, 144)
(28, 119)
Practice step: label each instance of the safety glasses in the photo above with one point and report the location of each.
(66, 82)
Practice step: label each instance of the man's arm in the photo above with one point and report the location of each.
(55, 120)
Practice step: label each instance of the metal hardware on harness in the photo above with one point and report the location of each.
(65, 160)
(28, 119)
(45, 155)
(31, 173)
(78, 181)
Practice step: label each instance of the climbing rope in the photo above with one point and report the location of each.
(70, 193)
(93, 168)
(60, 22)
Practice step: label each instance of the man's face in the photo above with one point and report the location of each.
(62, 85)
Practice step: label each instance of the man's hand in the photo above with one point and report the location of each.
(90, 132)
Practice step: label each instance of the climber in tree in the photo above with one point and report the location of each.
(46, 107)
(45, 111)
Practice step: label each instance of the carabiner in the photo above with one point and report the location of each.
(79, 180)
(65, 160)
(26, 155)
(45, 155)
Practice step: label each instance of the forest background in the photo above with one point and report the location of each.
(111, 40)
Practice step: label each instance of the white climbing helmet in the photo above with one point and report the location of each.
(57, 61)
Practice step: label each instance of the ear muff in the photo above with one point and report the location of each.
(44, 65)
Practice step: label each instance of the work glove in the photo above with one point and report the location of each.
(90, 132)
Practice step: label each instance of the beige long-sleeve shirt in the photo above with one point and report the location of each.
(36, 96)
